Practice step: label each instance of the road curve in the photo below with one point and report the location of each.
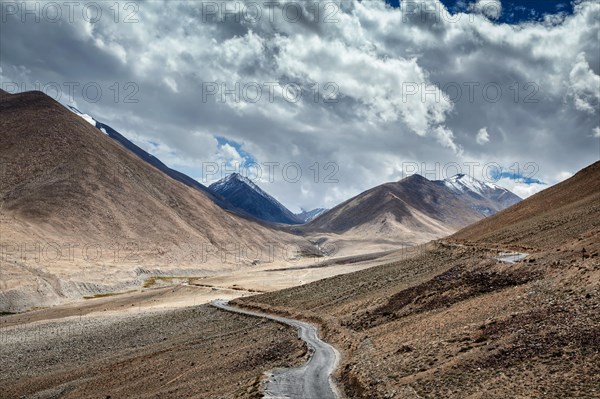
(310, 381)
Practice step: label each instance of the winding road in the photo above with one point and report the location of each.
(310, 381)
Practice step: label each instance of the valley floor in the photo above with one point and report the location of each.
(160, 341)
(448, 321)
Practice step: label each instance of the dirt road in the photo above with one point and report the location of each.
(310, 381)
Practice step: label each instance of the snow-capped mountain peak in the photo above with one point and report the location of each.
(490, 197)
(236, 178)
(247, 196)
(461, 183)
(307, 216)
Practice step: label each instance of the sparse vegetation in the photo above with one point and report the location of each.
(6, 313)
(107, 294)
(155, 280)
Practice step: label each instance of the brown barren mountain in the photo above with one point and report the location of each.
(415, 203)
(447, 321)
(81, 214)
(455, 322)
(546, 219)
(408, 212)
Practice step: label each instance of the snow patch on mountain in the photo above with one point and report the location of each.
(462, 183)
(86, 117)
(492, 198)
(307, 216)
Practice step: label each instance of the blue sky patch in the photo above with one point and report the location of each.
(497, 174)
(248, 159)
(513, 12)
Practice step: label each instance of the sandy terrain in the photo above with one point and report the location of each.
(146, 300)
(271, 277)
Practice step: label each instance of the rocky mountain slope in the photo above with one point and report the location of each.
(455, 322)
(82, 214)
(413, 210)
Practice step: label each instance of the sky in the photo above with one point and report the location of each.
(317, 102)
(510, 11)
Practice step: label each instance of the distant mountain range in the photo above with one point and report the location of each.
(415, 204)
(66, 183)
(243, 194)
(307, 216)
(239, 194)
(487, 198)
(413, 209)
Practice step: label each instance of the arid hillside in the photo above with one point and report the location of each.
(412, 204)
(546, 219)
(411, 211)
(455, 322)
(197, 352)
(67, 177)
(81, 214)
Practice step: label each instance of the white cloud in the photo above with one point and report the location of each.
(524, 190)
(446, 138)
(170, 82)
(584, 86)
(229, 154)
(490, 8)
(482, 136)
(562, 176)
(390, 67)
(387, 89)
